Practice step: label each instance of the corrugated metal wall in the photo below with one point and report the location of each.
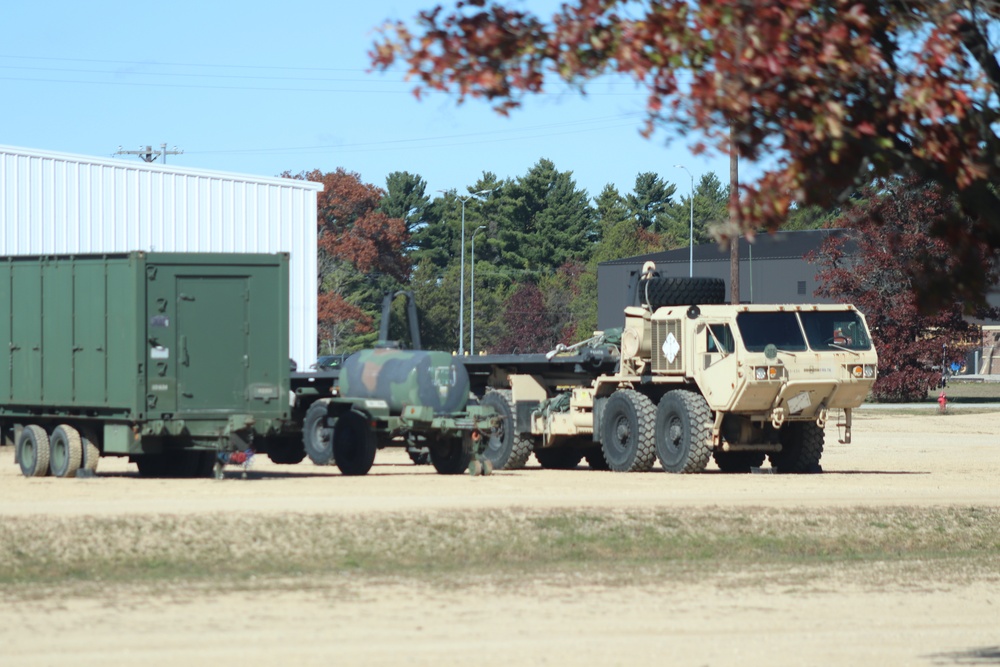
(54, 203)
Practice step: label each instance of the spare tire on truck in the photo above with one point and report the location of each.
(660, 292)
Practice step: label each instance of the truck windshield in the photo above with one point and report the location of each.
(835, 330)
(780, 329)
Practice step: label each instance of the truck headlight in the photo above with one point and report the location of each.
(766, 373)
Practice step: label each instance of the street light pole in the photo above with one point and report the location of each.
(472, 294)
(461, 279)
(691, 237)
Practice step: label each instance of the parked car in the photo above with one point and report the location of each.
(329, 362)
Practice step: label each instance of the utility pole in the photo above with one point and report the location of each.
(734, 217)
(147, 154)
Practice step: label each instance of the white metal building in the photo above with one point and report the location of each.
(55, 203)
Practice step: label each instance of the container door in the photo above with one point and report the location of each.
(212, 355)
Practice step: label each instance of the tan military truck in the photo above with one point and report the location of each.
(686, 383)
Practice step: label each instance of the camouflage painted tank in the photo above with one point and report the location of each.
(401, 378)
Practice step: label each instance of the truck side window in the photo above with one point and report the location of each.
(722, 334)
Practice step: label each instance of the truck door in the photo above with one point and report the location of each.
(717, 367)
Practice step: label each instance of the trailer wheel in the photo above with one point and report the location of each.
(627, 432)
(681, 291)
(451, 455)
(65, 451)
(559, 458)
(91, 452)
(683, 431)
(737, 461)
(506, 448)
(285, 451)
(33, 451)
(801, 448)
(354, 444)
(317, 435)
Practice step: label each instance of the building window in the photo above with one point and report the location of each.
(802, 287)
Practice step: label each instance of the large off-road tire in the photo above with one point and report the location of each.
(737, 462)
(801, 448)
(559, 458)
(627, 432)
(594, 456)
(65, 451)
(450, 455)
(505, 448)
(662, 292)
(33, 451)
(317, 435)
(354, 444)
(683, 432)
(91, 452)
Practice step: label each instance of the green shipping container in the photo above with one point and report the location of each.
(146, 353)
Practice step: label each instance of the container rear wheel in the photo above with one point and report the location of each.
(627, 432)
(451, 455)
(33, 451)
(354, 444)
(65, 451)
(91, 452)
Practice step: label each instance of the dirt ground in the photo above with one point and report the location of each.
(866, 614)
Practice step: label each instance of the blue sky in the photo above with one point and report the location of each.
(263, 87)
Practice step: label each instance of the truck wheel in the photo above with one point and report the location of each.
(354, 444)
(595, 458)
(451, 456)
(65, 451)
(801, 448)
(662, 292)
(627, 432)
(559, 458)
(737, 461)
(506, 448)
(683, 431)
(91, 453)
(317, 435)
(33, 451)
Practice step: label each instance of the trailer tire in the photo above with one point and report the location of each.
(681, 291)
(317, 435)
(506, 448)
(33, 451)
(559, 458)
(285, 451)
(801, 448)
(65, 451)
(451, 455)
(627, 433)
(91, 452)
(354, 444)
(737, 462)
(683, 431)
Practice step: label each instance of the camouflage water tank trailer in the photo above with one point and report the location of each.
(690, 381)
(392, 397)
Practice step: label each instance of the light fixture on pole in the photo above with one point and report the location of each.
(691, 237)
(472, 293)
(461, 280)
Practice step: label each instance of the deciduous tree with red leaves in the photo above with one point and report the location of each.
(826, 94)
(878, 265)
(361, 254)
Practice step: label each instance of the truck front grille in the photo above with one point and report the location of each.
(667, 345)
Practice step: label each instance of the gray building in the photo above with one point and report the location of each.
(773, 269)
(57, 203)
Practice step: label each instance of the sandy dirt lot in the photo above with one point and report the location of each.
(866, 614)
